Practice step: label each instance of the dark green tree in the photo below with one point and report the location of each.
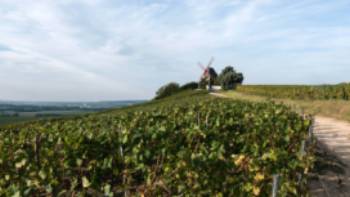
(167, 90)
(240, 78)
(229, 78)
(190, 86)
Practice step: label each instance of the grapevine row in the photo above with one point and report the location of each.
(321, 92)
(203, 147)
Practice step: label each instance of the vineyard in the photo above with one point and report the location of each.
(189, 145)
(321, 92)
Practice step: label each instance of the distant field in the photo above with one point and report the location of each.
(339, 109)
(31, 116)
(4, 120)
(51, 113)
(299, 92)
(18, 112)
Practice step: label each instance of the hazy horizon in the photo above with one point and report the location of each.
(69, 101)
(98, 50)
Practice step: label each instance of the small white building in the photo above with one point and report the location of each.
(215, 88)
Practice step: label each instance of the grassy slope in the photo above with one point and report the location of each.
(177, 98)
(338, 109)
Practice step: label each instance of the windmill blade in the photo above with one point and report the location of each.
(210, 62)
(201, 66)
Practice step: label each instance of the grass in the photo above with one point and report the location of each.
(338, 109)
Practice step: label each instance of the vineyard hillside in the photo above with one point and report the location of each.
(189, 144)
(299, 92)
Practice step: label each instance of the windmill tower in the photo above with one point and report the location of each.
(207, 72)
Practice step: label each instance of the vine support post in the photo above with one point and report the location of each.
(311, 129)
(302, 148)
(198, 119)
(121, 152)
(37, 150)
(275, 185)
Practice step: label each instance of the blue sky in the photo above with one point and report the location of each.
(108, 50)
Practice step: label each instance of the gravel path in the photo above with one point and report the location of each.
(334, 179)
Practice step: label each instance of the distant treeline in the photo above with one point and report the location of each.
(301, 92)
(15, 115)
(50, 115)
(32, 108)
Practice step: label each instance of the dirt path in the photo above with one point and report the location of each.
(218, 95)
(334, 171)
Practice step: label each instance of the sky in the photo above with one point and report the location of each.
(89, 50)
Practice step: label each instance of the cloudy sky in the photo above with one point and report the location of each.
(108, 50)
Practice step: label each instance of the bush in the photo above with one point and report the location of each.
(190, 86)
(167, 90)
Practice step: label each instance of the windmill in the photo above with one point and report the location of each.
(208, 72)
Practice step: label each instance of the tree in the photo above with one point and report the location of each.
(227, 69)
(229, 78)
(167, 90)
(240, 78)
(190, 86)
